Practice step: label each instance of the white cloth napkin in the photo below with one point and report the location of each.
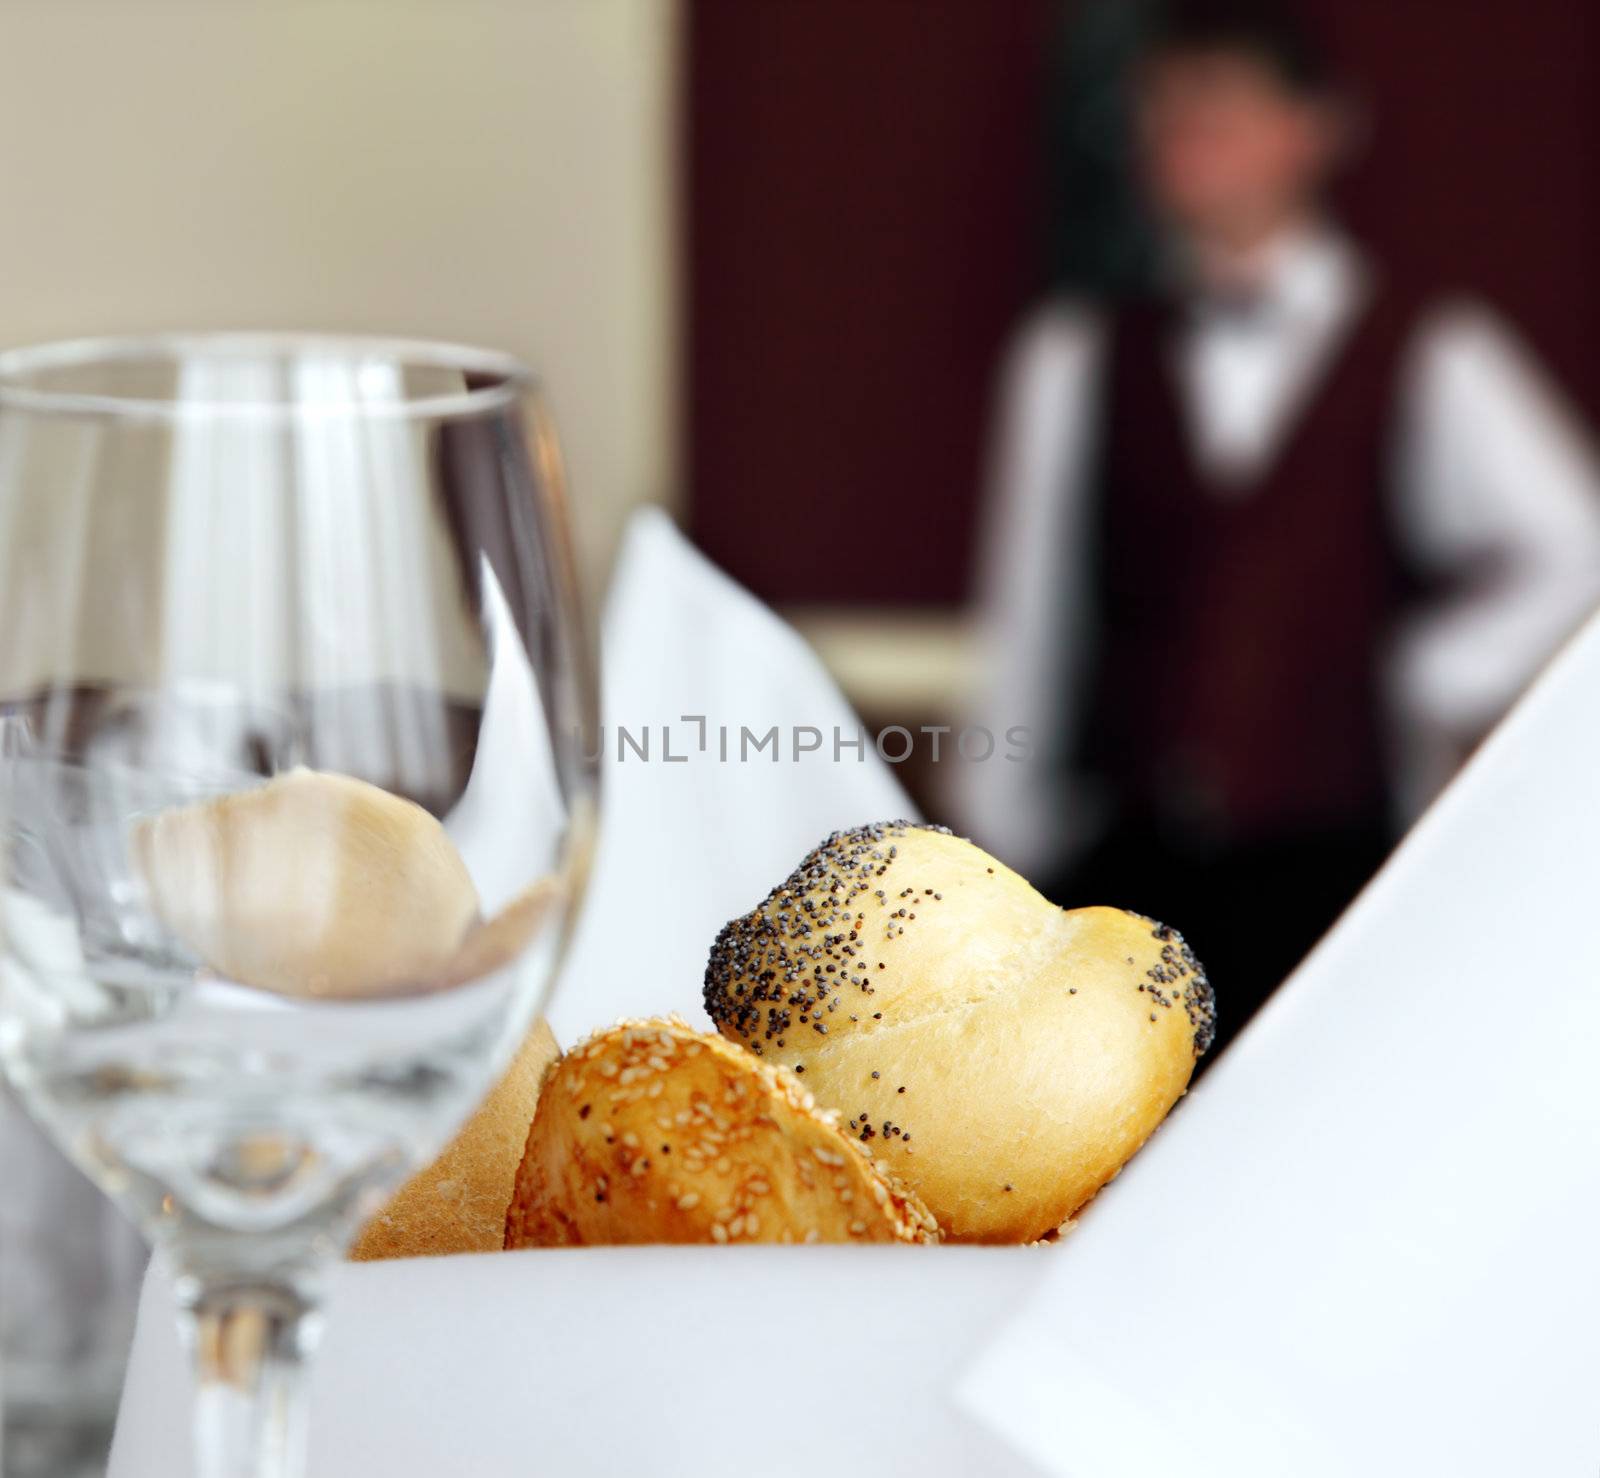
(689, 842)
(1365, 1243)
(629, 1362)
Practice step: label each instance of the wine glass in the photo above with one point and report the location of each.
(296, 796)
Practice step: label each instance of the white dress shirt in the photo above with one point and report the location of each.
(1489, 463)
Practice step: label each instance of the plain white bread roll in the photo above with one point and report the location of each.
(314, 884)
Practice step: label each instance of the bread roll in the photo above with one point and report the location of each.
(458, 1204)
(1001, 1056)
(653, 1132)
(314, 884)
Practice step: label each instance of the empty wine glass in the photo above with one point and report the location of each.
(295, 796)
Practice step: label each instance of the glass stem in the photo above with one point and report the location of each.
(250, 1343)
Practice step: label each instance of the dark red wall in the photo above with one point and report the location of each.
(1484, 165)
(860, 214)
(863, 226)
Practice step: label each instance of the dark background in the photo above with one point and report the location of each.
(874, 196)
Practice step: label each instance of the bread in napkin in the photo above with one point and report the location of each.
(458, 1203)
(1001, 1056)
(314, 884)
(654, 1132)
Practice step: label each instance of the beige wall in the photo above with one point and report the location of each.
(498, 171)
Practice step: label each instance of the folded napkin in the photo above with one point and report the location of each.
(1364, 1243)
(690, 839)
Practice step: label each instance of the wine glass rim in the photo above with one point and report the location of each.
(511, 378)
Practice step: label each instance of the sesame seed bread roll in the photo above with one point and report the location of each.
(654, 1132)
(1002, 1056)
(458, 1203)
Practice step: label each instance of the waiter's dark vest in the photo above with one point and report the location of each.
(1241, 630)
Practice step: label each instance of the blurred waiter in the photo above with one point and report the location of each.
(1270, 550)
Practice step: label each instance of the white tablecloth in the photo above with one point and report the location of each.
(1359, 1247)
(613, 1362)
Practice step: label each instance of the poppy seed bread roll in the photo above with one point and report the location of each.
(1001, 1056)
